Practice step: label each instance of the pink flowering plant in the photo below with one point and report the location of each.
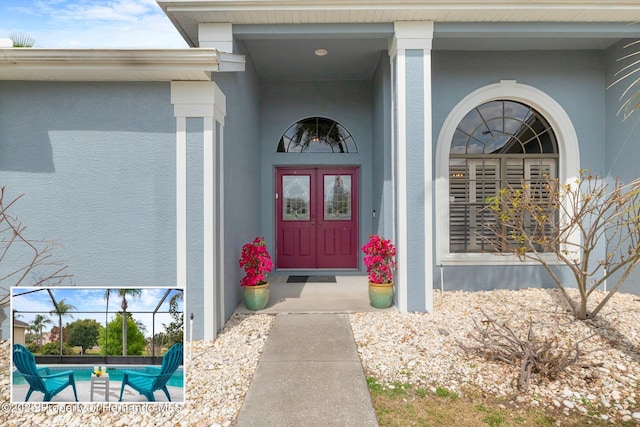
(256, 262)
(380, 259)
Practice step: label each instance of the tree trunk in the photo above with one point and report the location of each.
(124, 326)
(581, 314)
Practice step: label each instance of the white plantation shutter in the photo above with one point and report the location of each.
(537, 173)
(473, 180)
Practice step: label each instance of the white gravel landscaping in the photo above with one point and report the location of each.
(422, 349)
(409, 348)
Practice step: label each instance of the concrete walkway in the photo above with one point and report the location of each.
(309, 375)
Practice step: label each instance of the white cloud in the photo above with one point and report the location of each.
(100, 24)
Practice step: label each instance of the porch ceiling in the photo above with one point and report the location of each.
(283, 53)
(281, 35)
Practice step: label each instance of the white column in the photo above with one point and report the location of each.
(219, 114)
(413, 147)
(205, 100)
(216, 35)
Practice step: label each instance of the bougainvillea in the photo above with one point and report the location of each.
(256, 262)
(380, 259)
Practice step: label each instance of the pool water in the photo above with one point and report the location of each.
(83, 373)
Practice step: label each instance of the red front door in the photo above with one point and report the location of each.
(317, 217)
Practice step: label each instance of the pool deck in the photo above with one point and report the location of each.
(19, 392)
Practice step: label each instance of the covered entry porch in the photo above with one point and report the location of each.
(320, 294)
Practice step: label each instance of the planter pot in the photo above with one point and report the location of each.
(381, 294)
(256, 297)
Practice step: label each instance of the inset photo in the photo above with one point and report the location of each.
(90, 344)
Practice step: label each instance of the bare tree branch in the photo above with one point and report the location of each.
(572, 223)
(22, 259)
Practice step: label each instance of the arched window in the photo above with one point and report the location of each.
(497, 135)
(496, 144)
(317, 135)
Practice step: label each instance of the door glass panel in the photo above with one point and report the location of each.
(337, 197)
(295, 200)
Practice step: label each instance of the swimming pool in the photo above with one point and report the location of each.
(83, 373)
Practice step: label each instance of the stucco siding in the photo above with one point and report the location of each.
(576, 80)
(415, 137)
(623, 136)
(381, 179)
(96, 165)
(195, 225)
(242, 152)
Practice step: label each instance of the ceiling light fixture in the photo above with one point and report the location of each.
(321, 52)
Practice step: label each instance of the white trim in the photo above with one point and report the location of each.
(413, 35)
(216, 35)
(428, 185)
(394, 195)
(401, 146)
(221, 258)
(116, 64)
(568, 164)
(193, 110)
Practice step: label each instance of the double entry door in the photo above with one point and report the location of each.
(317, 217)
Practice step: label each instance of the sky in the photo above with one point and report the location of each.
(85, 24)
(87, 300)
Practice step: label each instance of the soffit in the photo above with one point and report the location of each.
(115, 64)
(283, 53)
(186, 14)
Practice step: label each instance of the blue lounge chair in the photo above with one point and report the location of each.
(41, 379)
(152, 379)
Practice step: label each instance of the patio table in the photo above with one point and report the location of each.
(100, 383)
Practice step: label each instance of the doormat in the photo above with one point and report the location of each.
(311, 279)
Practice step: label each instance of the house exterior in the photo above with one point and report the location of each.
(19, 331)
(313, 124)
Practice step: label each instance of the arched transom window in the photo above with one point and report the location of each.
(496, 144)
(317, 135)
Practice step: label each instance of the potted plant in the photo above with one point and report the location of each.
(380, 260)
(256, 262)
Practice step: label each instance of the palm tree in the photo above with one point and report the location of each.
(32, 330)
(22, 40)
(38, 323)
(630, 98)
(62, 309)
(124, 305)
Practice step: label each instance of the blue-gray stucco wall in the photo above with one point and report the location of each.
(96, 165)
(575, 79)
(242, 154)
(623, 135)
(381, 179)
(415, 136)
(195, 224)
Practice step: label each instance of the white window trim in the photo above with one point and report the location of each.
(568, 162)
